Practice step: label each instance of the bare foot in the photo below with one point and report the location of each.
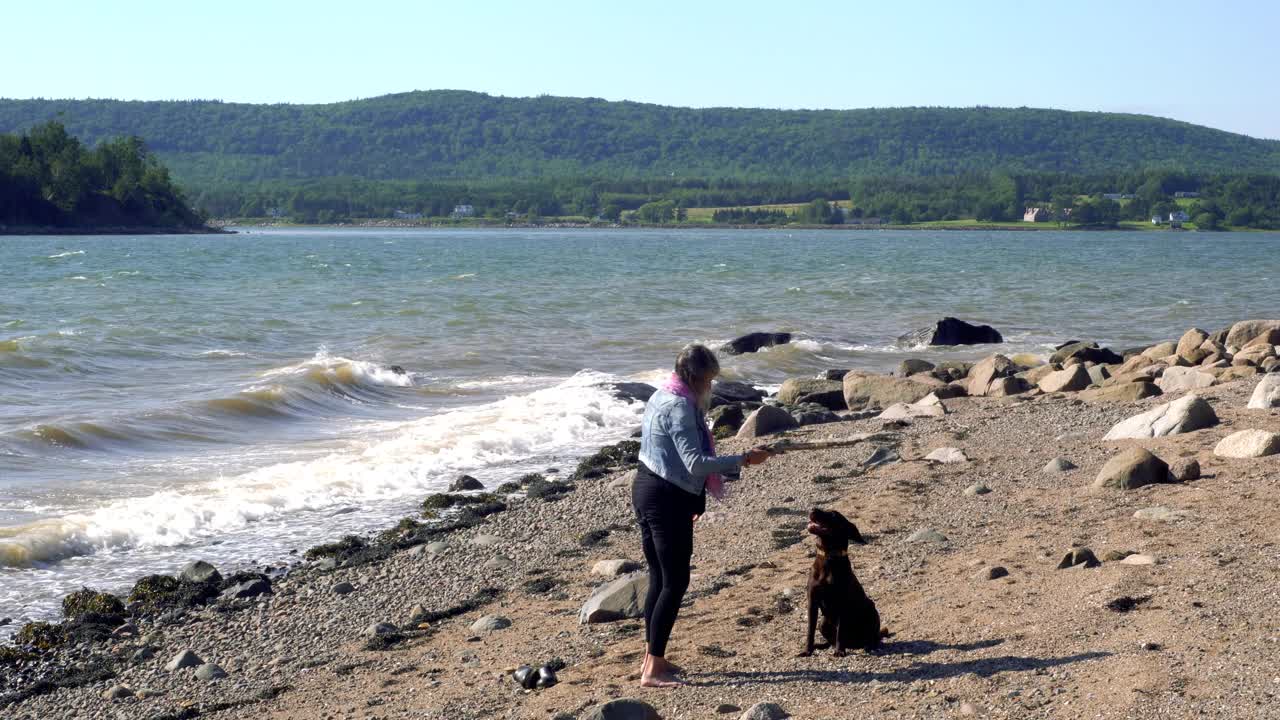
(672, 667)
(659, 674)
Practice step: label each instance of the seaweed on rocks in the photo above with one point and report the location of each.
(475, 602)
(547, 490)
(95, 671)
(85, 601)
(592, 538)
(14, 656)
(40, 636)
(337, 550)
(153, 591)
(530, 478)
(444, 501)
(619, 456)
(508, 488)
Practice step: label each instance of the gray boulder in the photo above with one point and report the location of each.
(1248, 444)
(1086, 352)
(1059, 465)
(765, 420)
(1132, 469)
(732, 391)
(198, 572)
(950, 331)
(382, 628)
(729, 417)
(1176, 379)
(913, 366)
(1191, 340)
(1184, 470)
(1245, 332)
(622, 709)
(828, 393)
(616, 600)
(812, 414)
(1267, 394)
(862, 391)
(1072, 379)
(1184, 415)
(1121, 392)
(988, 370)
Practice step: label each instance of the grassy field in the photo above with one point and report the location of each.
(704, 215)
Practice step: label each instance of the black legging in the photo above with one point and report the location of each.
(665, 513)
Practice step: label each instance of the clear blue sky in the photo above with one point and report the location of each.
(1210, 63)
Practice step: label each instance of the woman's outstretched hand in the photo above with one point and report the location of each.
(756, 456)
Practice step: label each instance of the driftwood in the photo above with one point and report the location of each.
(785, 445)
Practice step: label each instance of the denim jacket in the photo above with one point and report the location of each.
(671, 444)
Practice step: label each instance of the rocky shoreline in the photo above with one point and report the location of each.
(1147, 475)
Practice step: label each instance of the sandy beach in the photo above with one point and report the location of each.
(983, 621)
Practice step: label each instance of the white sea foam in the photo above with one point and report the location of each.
(68, 253)
(407, 460)
(340, 369)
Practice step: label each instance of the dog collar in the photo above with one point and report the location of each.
(834, 553)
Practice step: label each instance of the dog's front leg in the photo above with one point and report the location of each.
(840, 650)
(813, 626)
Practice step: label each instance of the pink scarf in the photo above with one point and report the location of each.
(676, 386)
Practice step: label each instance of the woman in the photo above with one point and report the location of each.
(678, 466)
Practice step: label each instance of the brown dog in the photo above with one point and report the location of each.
(849, 618)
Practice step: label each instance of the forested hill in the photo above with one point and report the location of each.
(456, 134)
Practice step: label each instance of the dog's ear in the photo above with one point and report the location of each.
(852, 532)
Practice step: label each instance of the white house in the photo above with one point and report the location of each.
(1178, 216)
(464, 211)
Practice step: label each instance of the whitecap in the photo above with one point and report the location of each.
(68, 253)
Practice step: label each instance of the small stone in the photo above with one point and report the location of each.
(995, 572)
(1151, 646)
(1079, 556)
(765, 711)
(1184, 470)
(726, 708)
(614, 568)
(947, 456)
(117, 692)
(487, 540)
(968, 709)
(417, 615)
(977, 489)
(927, 535)
(437, 547)
(622, 709)
(184, 659)
(1059, 465)
(209, 671)
(1139, 559)
(1117, 555)
(142, 654)
(497, 562)
(1160, 514)
(490, 623)
(247, 589)
(343, 588)
(382, 628)
(125, 630)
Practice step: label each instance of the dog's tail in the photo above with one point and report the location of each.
(884, 633)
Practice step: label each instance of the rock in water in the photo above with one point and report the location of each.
(752, 342)
(733, 391)
(913, 366)
(622, 709)
(950, 331)
(636, 391)
(465, 482)
(765, 420)
(1187, 414)
(617, 600)
(1267, 395)
(765, 711)
(1132, 469)
(1248, 444)
(827, 393)
(198, 572)
(184, 659)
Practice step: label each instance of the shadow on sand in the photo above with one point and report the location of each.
(917, 670)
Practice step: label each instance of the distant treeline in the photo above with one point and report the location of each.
(48, 178)
(1246, 201)
(462, 135)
